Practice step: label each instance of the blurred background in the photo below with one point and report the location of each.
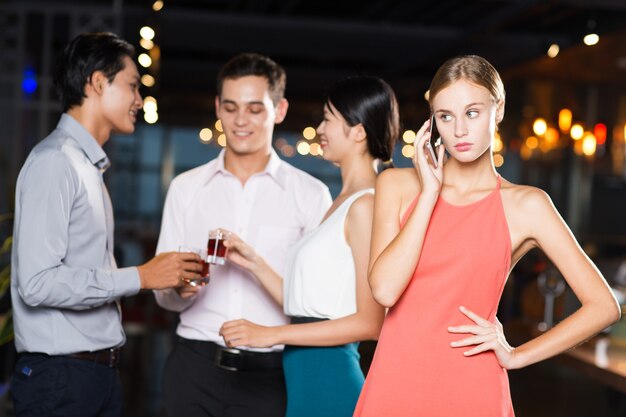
(564, 68)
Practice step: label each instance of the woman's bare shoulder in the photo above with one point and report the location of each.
(525, 197)
(400, 181)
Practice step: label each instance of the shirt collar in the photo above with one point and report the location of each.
(272, 168)
(85, 140)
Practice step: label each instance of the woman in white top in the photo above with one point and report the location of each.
(325, 290)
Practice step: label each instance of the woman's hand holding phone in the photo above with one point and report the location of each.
(428, 168)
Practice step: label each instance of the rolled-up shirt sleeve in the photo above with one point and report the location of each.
(172, 234)
(62, 256)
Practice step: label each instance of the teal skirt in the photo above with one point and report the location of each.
(322, 381)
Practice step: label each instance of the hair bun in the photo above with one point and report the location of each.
(383, 165)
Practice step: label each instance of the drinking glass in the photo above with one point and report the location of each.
(204, 279)
(216, 251)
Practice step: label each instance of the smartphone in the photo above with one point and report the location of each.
(435, 140)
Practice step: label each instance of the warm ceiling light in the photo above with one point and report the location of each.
(553, 50)
(315, 149)
(599, 131)
(498, 160)
(408, 151)
(146, 43)
(147, 32)
(408, 136)
(565, 120)
(148, 80)
(540, 126)
(591, 39)
(532, 142)
(144, 60)
(149, 106)
(551, 136)
(589, 144)
(206, 135)
(151, 117)
(157, 5)
(497, 145)
(303, 148)
(309, 132)
(576, 132)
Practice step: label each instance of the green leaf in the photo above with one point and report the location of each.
(6, 245)
(5, 279)
(6, 328)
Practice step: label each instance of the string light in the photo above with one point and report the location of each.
(408, 136)
(408, 151)
(565, 120)
(309, 133)
(540, 126)
(531, 142)
(576, 132)
(591, 39)
(146, 43)
(589, 144)
(206, 135)
(147, 32)
(148, 80)
(144, 60)
(599, 131)
(303, 147)
(553, 50)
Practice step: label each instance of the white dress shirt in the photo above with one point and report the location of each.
(270, 212)
(64, 280)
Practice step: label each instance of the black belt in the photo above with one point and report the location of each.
(302, 320)
(108, 357)
(232, 359)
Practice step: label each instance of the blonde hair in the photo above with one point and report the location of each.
(473, 68)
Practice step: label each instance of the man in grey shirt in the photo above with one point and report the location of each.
(65, 284)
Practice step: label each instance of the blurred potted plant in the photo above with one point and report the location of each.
(6, 321)
(7, 350)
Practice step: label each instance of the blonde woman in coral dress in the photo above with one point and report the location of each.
(444, 241)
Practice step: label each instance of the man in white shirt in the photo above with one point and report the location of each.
(249, 190)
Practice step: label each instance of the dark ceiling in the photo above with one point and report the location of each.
(403, 41)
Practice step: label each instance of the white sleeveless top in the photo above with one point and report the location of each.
(320, 279)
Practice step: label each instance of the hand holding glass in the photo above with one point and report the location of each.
(204, 279)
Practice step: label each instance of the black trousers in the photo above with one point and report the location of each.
(195, 387)
(46, 386)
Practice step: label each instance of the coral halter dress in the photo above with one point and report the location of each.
(465, 261)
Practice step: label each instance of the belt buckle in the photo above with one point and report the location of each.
(114, 357)
(228, 353)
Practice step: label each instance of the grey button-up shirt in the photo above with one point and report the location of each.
(64, 280)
